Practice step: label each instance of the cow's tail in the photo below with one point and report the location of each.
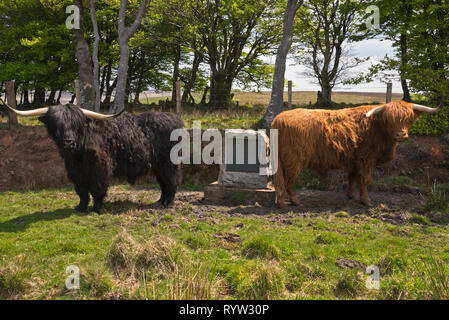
(279, 180)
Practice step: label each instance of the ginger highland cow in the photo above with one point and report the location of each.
(353, 139)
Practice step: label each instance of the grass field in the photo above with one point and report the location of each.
(299, 98)
(137, 250)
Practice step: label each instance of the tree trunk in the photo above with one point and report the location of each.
(51, 97)
(58, 101)
(103, 80)
(204, 97)
(191, 82)
(277, 91)
(11, 98)
(110, 89)
(124, 34)
(26, 97)
(220, 91)
(96, 74)
(83, 58)
(39, 96)
(404, 62)
(325, 98)
(177, 53)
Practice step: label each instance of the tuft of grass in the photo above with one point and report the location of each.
(326, 238)
(193, 282)
(260, 247)
(342, 214)
(420, 220)
(161, 253)
(95, 282)
(123, 253)
(436, 277)
(390, 264)
(267, 283)
(350, 284)
(13, 280)
(437, 200)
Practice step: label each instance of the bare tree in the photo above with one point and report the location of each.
(96, 83)
(82, 53)
(277, 92)
(322, 30)
(124, 35)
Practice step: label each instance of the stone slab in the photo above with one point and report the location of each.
(237, 196)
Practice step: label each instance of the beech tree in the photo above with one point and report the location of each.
(124, 35)
(321, 32)
(277, 91)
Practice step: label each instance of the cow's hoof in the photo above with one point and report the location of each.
(281, 205)
(367, 203)
(350, 196)
(80, 208)
(96, 209)
(295, 202)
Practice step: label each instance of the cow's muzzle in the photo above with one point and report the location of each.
(69, 144)
(401, 136)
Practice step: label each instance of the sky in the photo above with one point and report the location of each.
(373, 48)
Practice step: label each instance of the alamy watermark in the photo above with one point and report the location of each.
(373, 280)
(73, 20)
(72, 282)
(212, 153)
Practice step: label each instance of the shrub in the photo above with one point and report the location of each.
(432, 123)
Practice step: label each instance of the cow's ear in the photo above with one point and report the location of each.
(43, 119)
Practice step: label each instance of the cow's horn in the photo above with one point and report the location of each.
(418, 107)
(30, 113)
(374, 111)
(100, 116)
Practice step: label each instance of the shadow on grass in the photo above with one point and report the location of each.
(115, 208)
(23, 222)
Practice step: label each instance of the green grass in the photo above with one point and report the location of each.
(135, 250)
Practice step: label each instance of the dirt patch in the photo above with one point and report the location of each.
(351, 264)
(29, 159)
(388, 207)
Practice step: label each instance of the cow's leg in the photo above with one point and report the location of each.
(162, 183)
(98, 194)
(280, 188)
(364, 180)
(169, 177)
(101, 174)
(291, 188)
(352, 180)
(83, 193)
(174, 181)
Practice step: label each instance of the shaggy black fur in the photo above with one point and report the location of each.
(128, 146)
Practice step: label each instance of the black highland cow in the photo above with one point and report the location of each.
(96, 148)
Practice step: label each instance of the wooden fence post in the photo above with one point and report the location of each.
(290, 94)
(77, 93)
(11, 98)
(178, 97)
(389, 92)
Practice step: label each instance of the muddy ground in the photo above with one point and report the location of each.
(392, 207)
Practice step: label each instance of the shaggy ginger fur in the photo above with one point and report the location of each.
(323, 140)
